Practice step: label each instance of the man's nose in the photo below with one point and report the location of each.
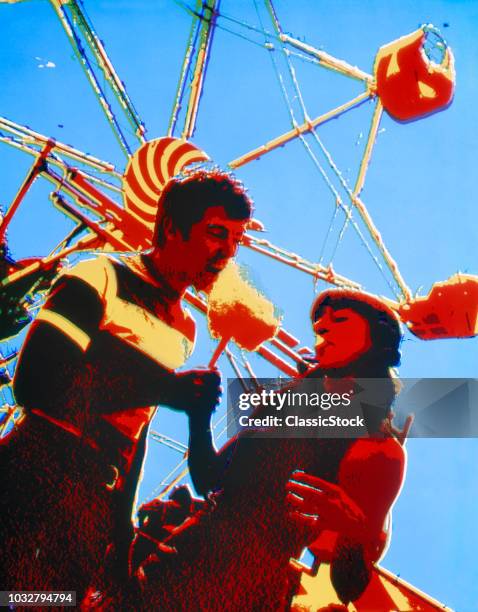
(230, 248)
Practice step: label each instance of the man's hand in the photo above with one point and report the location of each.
(199, 392)
(318, 505)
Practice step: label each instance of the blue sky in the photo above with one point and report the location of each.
(420, 191)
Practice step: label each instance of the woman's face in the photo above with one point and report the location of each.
(342, 336)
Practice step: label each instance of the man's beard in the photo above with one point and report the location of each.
(204, 281)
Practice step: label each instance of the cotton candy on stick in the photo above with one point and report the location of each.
(237, 311)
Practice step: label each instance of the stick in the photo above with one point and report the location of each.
(219, 349)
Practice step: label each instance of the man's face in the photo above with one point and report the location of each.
(342, 336)
(211, 243)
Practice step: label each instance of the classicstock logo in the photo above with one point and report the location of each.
(441, 408)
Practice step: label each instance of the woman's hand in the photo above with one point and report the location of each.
(320, 505)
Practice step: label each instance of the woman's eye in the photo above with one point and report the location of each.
(340, 319)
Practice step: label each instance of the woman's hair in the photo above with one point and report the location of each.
(385, 331)
(379, 360)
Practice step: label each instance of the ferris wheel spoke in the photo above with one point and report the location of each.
(364, 214)
(30, 178)
(247, 364)
(377, 237)
(345, 68)
(168, 441)
(26, 138)
(6, 360)
(55, 160)
(10, 414)
(73, 181)
(184, 73)
(82, 36)
(360, 206)
(169, 485)
(353, 196)
(66, 241)
(328, 61)
(325, 59)
(347, 209)
(206, 32)
(299, 130)
(306, 118)
(372, 137)
(194, 67)
(317, 270)
(236, 369)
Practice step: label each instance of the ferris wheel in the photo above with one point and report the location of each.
(90, 190)
(112, 206)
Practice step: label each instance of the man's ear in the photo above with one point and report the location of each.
(168, 229)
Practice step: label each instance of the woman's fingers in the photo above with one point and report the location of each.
(311, 522)
(314, 481)
(294, 501)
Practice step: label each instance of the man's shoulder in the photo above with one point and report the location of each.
(98, 272)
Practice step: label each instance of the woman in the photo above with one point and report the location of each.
(236, 557)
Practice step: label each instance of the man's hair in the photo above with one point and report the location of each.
(184, 202)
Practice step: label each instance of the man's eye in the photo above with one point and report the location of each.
(340, 319)
(217, 233)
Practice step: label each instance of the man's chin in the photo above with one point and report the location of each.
(205, 282)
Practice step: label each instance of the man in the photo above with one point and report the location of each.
(102, 351)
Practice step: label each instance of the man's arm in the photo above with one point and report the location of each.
(68, 363)
(207, 466)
